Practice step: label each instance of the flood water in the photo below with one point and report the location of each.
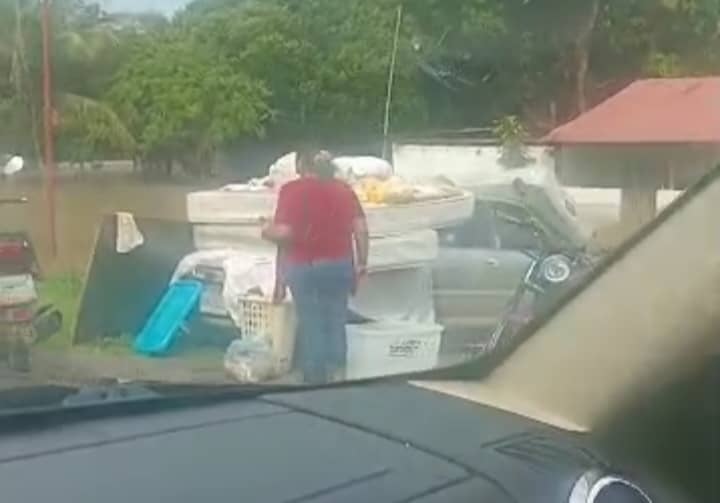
(81, 203)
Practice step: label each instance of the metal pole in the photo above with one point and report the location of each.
(391, 79)
(48, 125)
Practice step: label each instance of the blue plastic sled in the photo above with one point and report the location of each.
(165, 324)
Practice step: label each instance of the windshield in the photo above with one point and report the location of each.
(311, 192)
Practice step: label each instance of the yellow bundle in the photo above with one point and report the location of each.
(391, 191)
(371, 190)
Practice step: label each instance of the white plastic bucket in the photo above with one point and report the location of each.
(390, 348)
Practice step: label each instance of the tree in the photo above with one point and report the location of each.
(87, 51)
(182, 101)
(324, 62)
(226, 70)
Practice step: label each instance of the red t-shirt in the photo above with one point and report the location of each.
(320, 214)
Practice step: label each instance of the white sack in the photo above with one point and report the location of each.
(283, 170)
(247, 275)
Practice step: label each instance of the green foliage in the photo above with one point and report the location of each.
(224, 71)
(179, 98)
(512, 135)
(91, 129)
(64, 293)
(324, 62)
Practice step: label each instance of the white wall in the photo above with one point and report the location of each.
(601, 207)
(596, 207)
(460, 163)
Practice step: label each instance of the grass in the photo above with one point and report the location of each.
(63, 291)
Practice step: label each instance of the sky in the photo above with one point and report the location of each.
(164, 6)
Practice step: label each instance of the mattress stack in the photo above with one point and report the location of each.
(397, 295)
(402, 236)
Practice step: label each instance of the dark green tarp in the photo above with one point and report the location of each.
(122, 289)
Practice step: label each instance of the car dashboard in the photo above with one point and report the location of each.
(367, 443)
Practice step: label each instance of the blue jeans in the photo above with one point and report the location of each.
(321, 291)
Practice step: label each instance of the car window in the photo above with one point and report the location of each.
(512, 235)
(477, 232)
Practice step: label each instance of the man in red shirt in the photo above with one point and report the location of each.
(322, 239)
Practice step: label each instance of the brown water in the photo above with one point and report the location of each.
(81, 203)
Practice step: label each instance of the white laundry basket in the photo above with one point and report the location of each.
(390, 348)
(261, 317)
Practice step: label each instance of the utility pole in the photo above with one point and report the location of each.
(391, 80)
(49, 124)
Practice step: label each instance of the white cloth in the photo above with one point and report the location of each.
(128, 236)
(245, 272)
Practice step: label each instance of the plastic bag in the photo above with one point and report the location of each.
(250, 360)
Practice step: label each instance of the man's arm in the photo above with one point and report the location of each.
(279, 230)
(280, 234)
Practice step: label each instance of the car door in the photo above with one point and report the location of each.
(477, 272)
(464, 273)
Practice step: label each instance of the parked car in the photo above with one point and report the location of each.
(483, 260)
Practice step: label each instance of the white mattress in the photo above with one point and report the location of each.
(399, 251)
(229, 207)
(217, 236)
(243, 207)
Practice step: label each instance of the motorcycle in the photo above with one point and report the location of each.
(23, 321)
(552, 273)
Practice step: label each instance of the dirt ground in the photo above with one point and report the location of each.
(83, 366)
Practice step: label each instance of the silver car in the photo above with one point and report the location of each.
(481, 262)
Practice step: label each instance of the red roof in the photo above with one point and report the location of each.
(650, 111)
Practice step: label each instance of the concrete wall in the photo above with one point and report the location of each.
(591, 175)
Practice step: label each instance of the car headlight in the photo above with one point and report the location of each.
(595, 488)
(556, 269)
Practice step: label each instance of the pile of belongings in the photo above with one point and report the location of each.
(403, 220)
